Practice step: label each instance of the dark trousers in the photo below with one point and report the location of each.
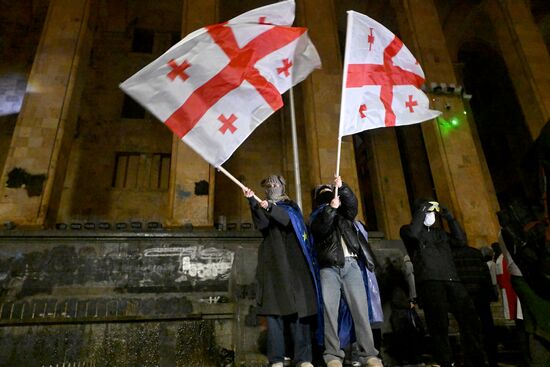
(483, 307)
(300, 331)
(438, 299)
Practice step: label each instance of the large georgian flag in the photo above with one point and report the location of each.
(215, 86)
(381, 80)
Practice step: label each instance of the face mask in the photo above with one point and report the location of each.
(274, 193)
(430, 219)
(274, 188)
(325, 196)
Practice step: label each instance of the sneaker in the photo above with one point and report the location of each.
(305, 364)
(278, 364)
(334, 363)
(374, 362)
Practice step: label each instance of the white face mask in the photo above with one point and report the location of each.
(430, 219)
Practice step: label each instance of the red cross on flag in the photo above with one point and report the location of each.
(381, 80)
(215, 86)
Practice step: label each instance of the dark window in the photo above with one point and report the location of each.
(145, 171)
(131, 109)
(143, 40)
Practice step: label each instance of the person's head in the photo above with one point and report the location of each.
(487, 253)
(323, 194)
(274, 187)
(497, 250)
(432, 208)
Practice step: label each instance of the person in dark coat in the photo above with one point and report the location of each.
(286, 292)
(340, 249)
(438, 285)
(474, 274)
(407, 337)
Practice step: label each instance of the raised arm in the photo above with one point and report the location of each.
(417, 221)
(458, 236)
(259, 215)
(348, 201)
(410, 232)
(349, 207)
(321, 225)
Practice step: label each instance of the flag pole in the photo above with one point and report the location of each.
(338, 155)
(342, 104)
(232, 178)
(297, 179)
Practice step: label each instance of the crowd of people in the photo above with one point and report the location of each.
(317, 284)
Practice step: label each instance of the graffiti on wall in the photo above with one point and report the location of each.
(197, 263)
(122, 267)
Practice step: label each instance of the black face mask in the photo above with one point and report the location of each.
(325, 197)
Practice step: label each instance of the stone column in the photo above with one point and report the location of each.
(33, 175)
(455, 165)
(526, 57)
(322, 91)
(191, 177)
(390, 191)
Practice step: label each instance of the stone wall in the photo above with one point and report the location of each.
(125, 299)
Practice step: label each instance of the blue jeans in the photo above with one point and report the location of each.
(348, 279)
(301, 336)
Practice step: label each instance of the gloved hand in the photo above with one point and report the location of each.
(445, 213)
(424, 208)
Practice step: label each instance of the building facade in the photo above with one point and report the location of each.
(78, 150)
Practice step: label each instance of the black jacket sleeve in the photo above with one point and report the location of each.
(410, 232)
(457, 235)
(349, 206)
(323, 223)
(259, 215)
(418, 221)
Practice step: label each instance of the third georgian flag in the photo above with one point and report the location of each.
(215, 86)
(382, 80)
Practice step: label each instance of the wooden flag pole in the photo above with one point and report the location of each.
(239, 183)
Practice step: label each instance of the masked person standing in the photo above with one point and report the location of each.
(286, 292)
(339, 245)
(438, 285)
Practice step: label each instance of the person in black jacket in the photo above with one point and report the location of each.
(339, 246)
(286, 292)
(474, 274)
(438, 285)
(406, 343)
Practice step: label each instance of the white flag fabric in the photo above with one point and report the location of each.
(215, 86)
(381, 80)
